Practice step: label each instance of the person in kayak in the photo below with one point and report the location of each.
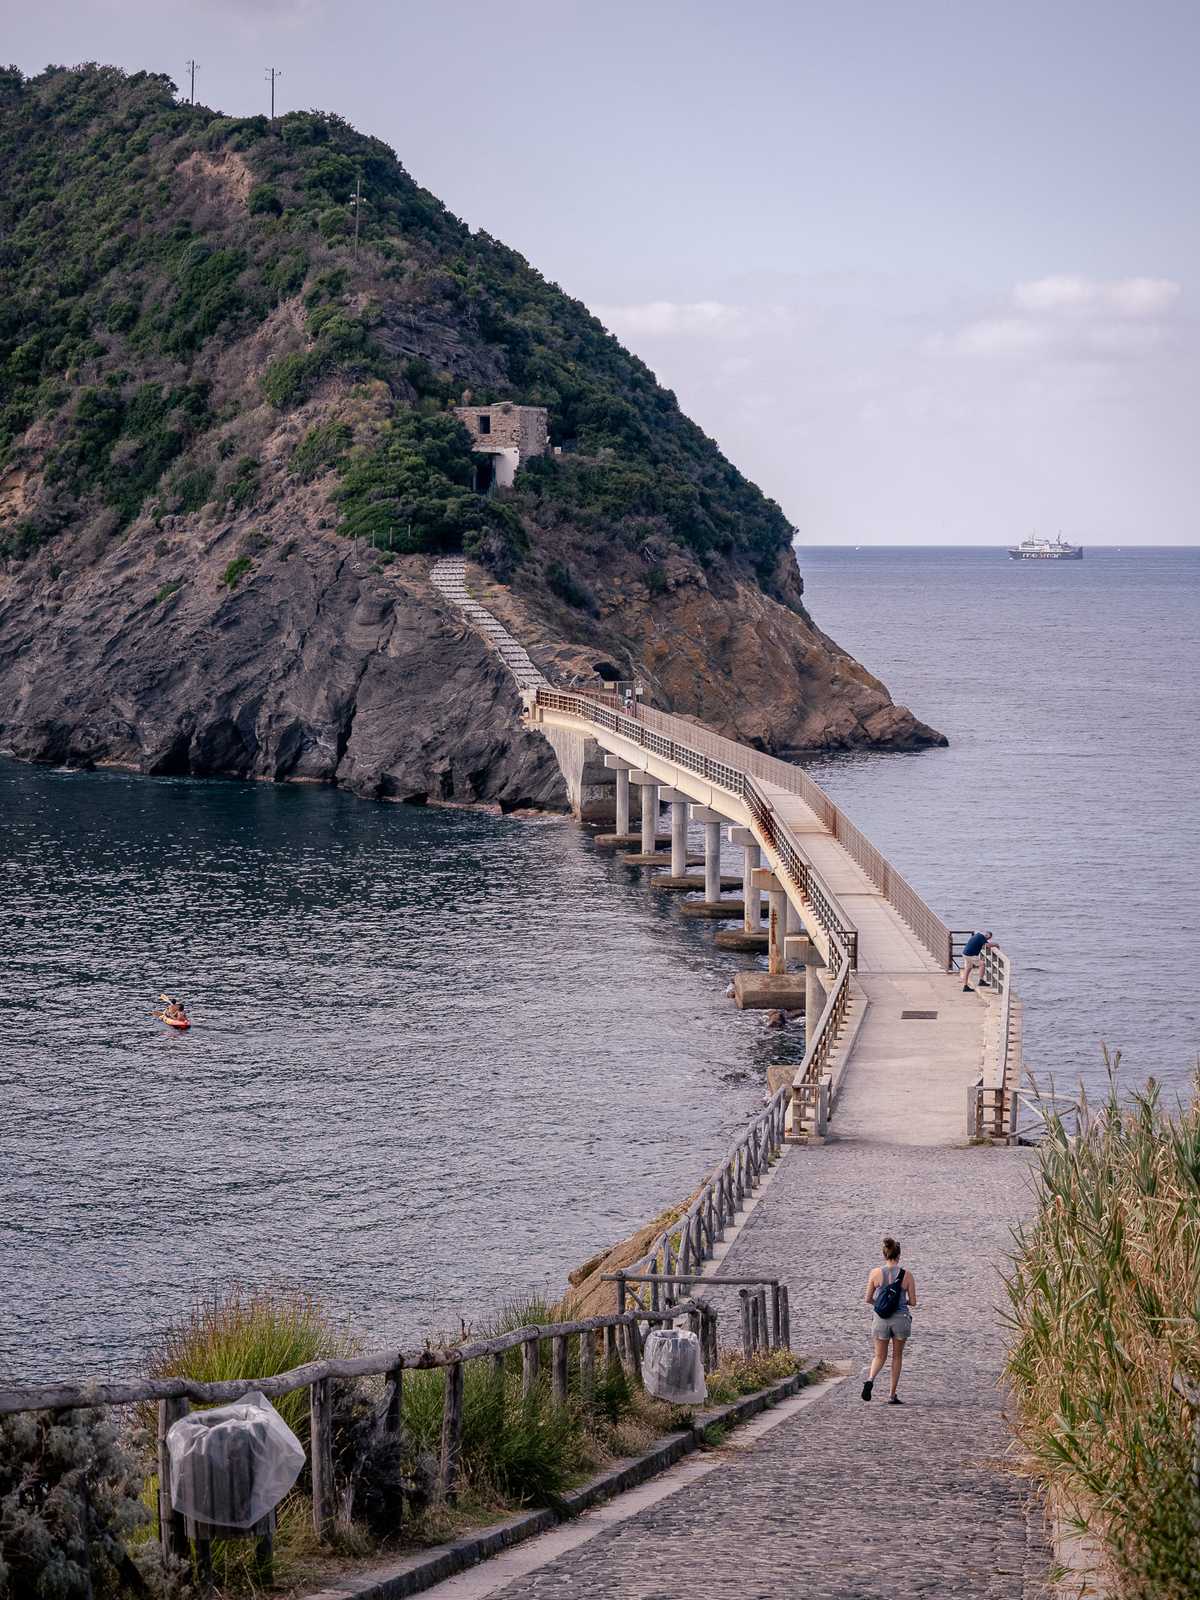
(175, 1011)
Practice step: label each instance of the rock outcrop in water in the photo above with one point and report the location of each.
(228, 458)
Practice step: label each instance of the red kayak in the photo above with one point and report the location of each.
(176, 1022)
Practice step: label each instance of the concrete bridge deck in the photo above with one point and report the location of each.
(892, 1043)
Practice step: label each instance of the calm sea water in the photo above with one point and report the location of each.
(1064, 813)
(440, 1058)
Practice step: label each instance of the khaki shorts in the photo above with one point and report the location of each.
(897, 1327)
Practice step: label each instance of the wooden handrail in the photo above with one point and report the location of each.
(70, 1396)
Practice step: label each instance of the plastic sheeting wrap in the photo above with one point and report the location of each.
(673, 1367)
(233, 1464)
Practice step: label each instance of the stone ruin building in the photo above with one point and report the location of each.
(507, 434)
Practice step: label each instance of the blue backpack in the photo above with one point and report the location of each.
(887, 1297)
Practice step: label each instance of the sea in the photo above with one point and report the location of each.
(441, 1057)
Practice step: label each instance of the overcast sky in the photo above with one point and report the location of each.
(926, 271)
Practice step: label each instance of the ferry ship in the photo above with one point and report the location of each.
(1035, 549)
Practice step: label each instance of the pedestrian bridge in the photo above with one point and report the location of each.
(894, 1048)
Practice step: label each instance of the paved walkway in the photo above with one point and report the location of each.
(846, 1501)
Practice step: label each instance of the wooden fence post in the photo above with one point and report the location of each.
(558, 1369)
(776, 1317)
(171, 1532)
(587, 1364)
(785, 1317)
(747, 1338)
(611, 1357)
(452, 1422)
(531, 1360)
(498, 1366)
(712, 1225)
(320, 1423)
(755, 1329)
(760, 1296)
(393, 1417)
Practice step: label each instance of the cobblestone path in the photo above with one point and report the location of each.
(847, 1501)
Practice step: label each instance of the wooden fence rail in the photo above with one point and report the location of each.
(692, 1239)
(174, 1395)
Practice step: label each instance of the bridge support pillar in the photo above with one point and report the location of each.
(679, 830)
(764, 878)
(712, 861)
(623, 769)
(751, 897)
(814, 997)
(622, 801)
(776, 932)
(649, 793)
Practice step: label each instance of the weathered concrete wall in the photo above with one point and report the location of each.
(590, 785)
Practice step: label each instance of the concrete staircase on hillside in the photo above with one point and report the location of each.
(449, 578)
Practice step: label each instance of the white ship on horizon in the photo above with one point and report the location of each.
(1035, 549)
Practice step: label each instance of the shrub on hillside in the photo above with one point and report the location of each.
(412, 489)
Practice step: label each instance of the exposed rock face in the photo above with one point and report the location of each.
(314, 667)
(323, 665)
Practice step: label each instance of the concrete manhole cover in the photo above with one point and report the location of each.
(918, 1016)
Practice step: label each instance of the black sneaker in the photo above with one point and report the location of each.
(895, 1401)
(867, 1387)
(985, 983)
(967, 989)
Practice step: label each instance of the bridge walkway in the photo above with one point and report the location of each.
(886, 954)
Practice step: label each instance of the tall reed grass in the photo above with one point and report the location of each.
(1105, 1304)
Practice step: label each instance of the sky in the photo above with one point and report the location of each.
(927, 271)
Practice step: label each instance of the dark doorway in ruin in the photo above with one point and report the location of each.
(485, 475)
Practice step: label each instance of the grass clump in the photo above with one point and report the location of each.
(168, 590)
(739, 1374)
(252, 1333)
(1105, 1295)
(236, 571)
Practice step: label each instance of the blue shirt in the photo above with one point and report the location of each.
(974, 944)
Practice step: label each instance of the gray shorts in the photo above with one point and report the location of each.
(897, 1327)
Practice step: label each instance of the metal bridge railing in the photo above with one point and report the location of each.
(715, 761)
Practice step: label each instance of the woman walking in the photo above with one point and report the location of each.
(893, 1293)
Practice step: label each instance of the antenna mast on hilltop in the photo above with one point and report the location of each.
(271, 74)
(191, 66)
(357, 201)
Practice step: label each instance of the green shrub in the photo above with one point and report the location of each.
(236, 571)
(70, 1500)
(291, 379)
(322, 447)
(412, 489)
(1105, 1298)
(263, 200)
(193, 489)
(167, 590)
(560, 580)
(243, 488)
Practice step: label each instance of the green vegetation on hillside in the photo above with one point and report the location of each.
(167, 273)
(1105, 1292)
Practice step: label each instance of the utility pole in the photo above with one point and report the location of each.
(192, 95)
(271, 74)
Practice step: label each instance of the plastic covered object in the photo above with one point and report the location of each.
(232, 1465)
(673, 1367)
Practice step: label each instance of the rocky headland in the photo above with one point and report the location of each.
(229, 458)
